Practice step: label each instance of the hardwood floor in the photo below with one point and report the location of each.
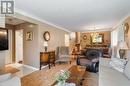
(45, 77)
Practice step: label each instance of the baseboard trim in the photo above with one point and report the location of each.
(28, 66)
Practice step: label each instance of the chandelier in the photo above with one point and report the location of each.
(94, 33)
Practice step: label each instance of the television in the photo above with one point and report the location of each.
(3, 39)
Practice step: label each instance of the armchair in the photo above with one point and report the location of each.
(63, 54)
(90, 59)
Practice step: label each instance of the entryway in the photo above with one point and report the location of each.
(19, 46)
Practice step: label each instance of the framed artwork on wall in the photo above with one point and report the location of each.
(29, 36)
(97, 39)
(126, 26)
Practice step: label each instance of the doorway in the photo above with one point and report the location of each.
(19, 46)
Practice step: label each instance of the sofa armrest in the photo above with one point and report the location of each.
(78, 59)
(5, 77)
(14, 81)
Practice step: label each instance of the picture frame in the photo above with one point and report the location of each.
(85, 37)
(126, 26)
(99, 39)
(29, 36)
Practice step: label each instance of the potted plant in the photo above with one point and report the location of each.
(61, 77)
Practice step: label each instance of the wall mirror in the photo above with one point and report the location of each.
(46, 36)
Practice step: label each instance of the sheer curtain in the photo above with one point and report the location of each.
(114, 41)
(114, 37)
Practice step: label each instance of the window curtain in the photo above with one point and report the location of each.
(116, 36)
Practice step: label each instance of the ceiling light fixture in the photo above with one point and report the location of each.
(94, 33)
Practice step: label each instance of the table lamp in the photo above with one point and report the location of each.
(122, 46)
(45, 45)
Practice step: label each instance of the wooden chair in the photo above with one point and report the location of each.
(47, 58)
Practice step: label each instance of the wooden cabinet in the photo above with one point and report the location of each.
(47, 58)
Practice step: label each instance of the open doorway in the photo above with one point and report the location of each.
(19, 46)
(15, 52)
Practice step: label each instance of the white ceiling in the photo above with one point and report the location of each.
(77, 15)
(13, 21)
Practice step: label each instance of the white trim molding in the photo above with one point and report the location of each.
(121, 21)
(39, 19)
(28, 66)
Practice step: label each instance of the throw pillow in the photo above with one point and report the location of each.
(118, 64)
(127, 70)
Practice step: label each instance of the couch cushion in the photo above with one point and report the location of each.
(111, 77)
(5, 77)
(118, 64)
(127, 70)
(15, 81)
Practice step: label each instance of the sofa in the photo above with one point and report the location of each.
(9, 80)
(90, 59)
(111, 77)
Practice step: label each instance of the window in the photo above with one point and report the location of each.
(114, 37)
(66, 40)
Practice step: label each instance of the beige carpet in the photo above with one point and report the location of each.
(8, 69)
(91, 79)
(46, 76)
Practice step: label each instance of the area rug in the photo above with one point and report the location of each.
(46, 76)
(8, 69)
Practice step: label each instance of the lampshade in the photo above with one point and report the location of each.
(122, 45)
(45, 44)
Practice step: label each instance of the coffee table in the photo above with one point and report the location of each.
(76, 76)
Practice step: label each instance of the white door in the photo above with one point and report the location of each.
(19, 45)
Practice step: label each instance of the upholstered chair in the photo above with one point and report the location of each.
(63, 54)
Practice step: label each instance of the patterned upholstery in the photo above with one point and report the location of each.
(63, 54)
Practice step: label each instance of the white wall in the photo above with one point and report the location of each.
(2, 21)
(8, 58)
(2, 58)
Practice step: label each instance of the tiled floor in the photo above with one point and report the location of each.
(24, 70)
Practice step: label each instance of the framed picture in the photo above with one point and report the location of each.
(126, 25)
(29, 36)
(97, 38)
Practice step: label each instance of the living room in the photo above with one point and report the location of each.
(44, 43)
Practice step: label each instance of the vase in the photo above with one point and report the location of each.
(61, 83)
